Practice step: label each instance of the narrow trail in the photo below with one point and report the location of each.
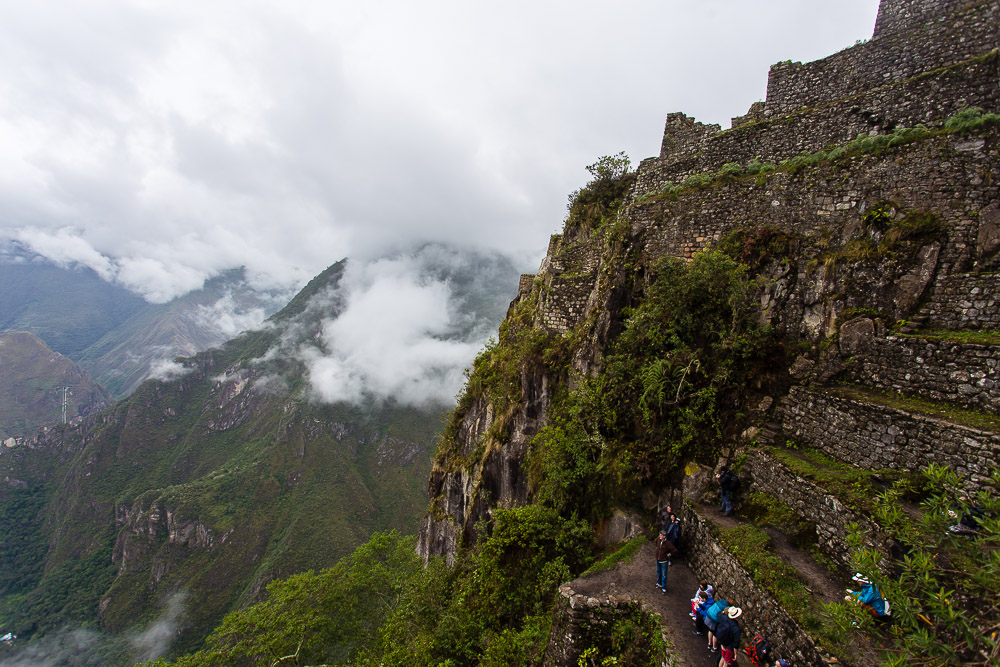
(638, 580)
(820, 581)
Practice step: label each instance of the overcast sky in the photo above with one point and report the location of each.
(160, 142)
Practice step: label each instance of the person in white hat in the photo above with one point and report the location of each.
(728, 633)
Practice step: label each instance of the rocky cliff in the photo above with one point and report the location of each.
(862, 197)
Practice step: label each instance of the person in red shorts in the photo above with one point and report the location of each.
(728, 633)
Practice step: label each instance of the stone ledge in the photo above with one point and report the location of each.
(761, 611)
(813, 504)
(867, 435)
(578, 618)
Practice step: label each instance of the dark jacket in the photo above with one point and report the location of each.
(729, 481)
(728, 631)
(674, 534)
(664, 549)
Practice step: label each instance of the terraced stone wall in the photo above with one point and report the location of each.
(970, 301)
(564, 304)
(871, 436)
(911, 36)
(960, 373)
(761, 612)
(942, 175)
(830, 516)
(923, 99)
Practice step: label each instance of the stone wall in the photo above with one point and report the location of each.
(961, 373)
(872, 436)
(924, 99)
(813, 504)
(827, 204)
(936, 174)
(761, 612)
(581, 622)
(970, 301)
(906, 44)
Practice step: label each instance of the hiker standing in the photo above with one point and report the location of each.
(728, 633)
(665, 550)
(728, 484)
(674, 530)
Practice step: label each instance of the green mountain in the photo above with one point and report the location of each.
(200, 489)
(35, 381)
(118, 337)
(808, 299)
(131, 352)
(68, 308)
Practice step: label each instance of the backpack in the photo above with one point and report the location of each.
(734, 483)
(713, 612)
(758, 650)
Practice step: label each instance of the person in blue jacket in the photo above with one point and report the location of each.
(868, 596)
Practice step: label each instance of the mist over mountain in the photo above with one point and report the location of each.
(240, 464)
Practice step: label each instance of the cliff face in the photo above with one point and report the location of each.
(884, 209)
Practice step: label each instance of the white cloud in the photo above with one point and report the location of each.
(401, 332)
(167, 370)
(228, 318)
(179, 139)
(64, 247)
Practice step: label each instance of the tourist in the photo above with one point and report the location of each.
(712, 616)
(729, 483)
(707, 601)
(870, 597)
(699, 596)
(665, 550)
(674, 530)
(728, 634)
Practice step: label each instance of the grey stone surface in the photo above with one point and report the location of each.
(872, 436)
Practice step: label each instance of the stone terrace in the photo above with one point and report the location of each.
(868, 435)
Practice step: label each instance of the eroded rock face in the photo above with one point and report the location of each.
(144, 529)
(856, 335)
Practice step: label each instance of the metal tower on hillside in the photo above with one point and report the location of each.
(65, 403)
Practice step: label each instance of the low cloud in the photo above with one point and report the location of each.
(406, 328)
(166, 371)
(228, 318)
(154, 641)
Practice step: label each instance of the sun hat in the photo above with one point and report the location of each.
(861, 579)
(734, 612)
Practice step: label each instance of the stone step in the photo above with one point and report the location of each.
(830, 513)
(861, 428)
(763, 611)
(932, 367)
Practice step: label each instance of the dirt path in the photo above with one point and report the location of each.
(638, 580)
(817, 578)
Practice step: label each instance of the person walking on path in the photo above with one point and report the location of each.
(665, 550)
(728, 485)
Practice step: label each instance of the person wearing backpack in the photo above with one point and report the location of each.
(712, 617)
(728, 632)
(674, 530)
(729, 484)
